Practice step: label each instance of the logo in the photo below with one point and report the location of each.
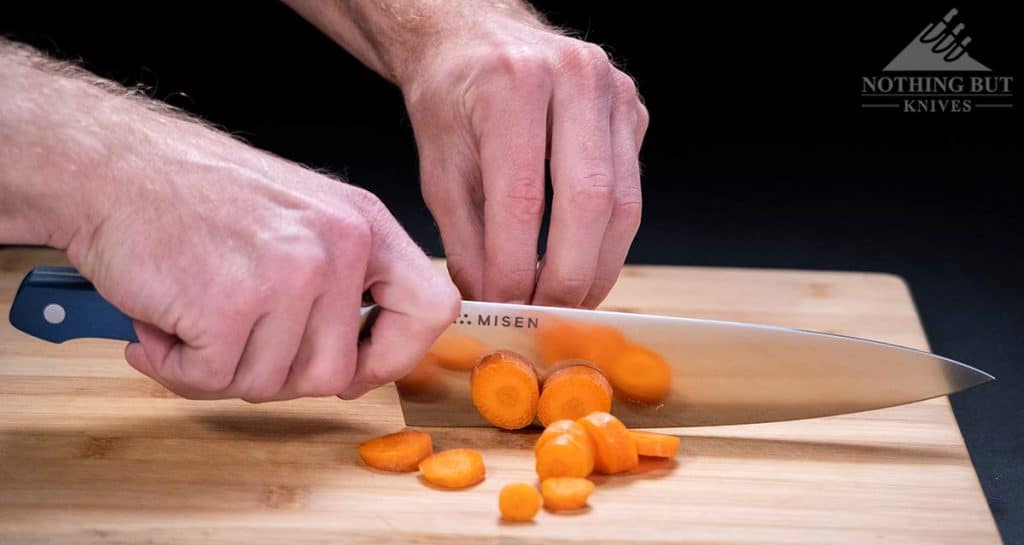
(935, 73)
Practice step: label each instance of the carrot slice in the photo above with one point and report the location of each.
(564, 493)
(614, 449)
(640, 375)
(563, 427)
(423, 378)
(519, 502)
(402, 451)
(655, 444)
(561, 340)
(564, 456)
(456, 351)
(455, 468)
(573, 392)
(505, 390)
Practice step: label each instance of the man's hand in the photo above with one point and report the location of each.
(492, 92)
(244, 272)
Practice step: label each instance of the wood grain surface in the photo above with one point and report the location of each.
(92, 452)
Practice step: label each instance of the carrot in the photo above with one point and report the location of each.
(614, 449)
(519, 502)
(563, 427)
(655, 444)
(456, 351)
(559, 340)
(455, 468)
(402, 451)
(423, 378)
(563, 340)
(573, 392)
(563, 493)
(565, 456)
(640, 375)
(505, 390)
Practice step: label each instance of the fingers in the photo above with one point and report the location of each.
(627, 125)
(583, 177)
(417, 304)
(326, 361)
(512, 126)
(451, 190)
(267, 358)
(199, 371)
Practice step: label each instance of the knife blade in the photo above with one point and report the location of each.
(721, 372)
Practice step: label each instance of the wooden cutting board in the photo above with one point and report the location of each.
(91, 452)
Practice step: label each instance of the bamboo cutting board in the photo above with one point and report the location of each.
(91, 452)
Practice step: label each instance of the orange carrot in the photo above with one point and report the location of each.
(505, 390)
(455, 468)
(564, 456)
(563, 427)
(573, 392)
(559, 340)
(562, 340)
(614, 449)
(456, 351)
(563, 493)
(640, 375)
(519, 502)
(402, 451)
(655, 444)
(423, 378)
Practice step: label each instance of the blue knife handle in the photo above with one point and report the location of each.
(58, 304)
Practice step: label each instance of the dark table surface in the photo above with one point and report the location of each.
(758, 153)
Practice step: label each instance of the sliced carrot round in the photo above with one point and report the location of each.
(505, 389)
(640, 375)
(457, 351)
(402, 451)
(564, 456)
(573, 392)
(519, 502)
(565, 493)
(603, 345)
(655, 444)
(455, 468)
(559, 340)
(563, 427)
(614, 449)
(423, 378)
(562, 340)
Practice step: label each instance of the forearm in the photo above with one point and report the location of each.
(72, 143)
(393, 36)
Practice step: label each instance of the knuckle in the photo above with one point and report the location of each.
(521, 63)
(643, 117)
(594, 192)
(368, 204)
(570, 288)
(629, 206)
(525, 196)
(625, 88)
(586, 59)
(210, 377)
(353, 232)
(448, 304)
(325, 378)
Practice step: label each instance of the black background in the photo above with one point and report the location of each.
(758, 154)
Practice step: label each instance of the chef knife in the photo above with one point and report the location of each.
(721, 372)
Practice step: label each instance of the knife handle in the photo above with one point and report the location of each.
(57, 304)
